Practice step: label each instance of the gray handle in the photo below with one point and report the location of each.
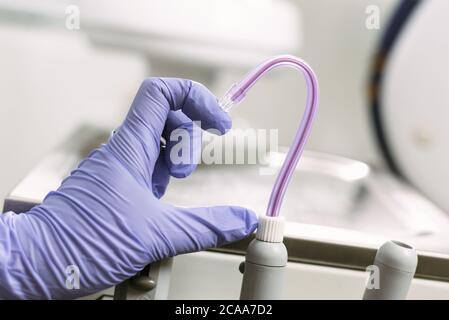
(394, 268)
(264, 271)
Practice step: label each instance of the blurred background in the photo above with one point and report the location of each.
(376, 167)
(381, 64)
(55, 77)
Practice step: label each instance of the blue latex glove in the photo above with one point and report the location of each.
(106, 218)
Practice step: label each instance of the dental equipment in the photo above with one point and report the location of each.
(266, 255)
(238, 92)
(152, 283)
(395, 265)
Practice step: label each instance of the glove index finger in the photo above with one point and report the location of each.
(195, 229)
(137, 141)
(202, 106)
(158, 96)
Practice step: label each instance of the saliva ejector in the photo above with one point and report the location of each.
(266, 255)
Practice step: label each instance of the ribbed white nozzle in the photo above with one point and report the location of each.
(271, 229)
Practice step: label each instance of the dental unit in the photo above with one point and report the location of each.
(266, 256)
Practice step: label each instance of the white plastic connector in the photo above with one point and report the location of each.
(271, 229)
(226, 103)
(265, 262)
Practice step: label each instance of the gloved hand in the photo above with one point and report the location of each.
(106, 217)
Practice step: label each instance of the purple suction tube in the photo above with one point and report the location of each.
(238, 91)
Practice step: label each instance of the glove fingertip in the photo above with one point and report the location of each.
(159, 190)
(248, 218)
(202, 105)
(223, 125)
(181, 171)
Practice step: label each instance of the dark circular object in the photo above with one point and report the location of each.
(143, 283)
